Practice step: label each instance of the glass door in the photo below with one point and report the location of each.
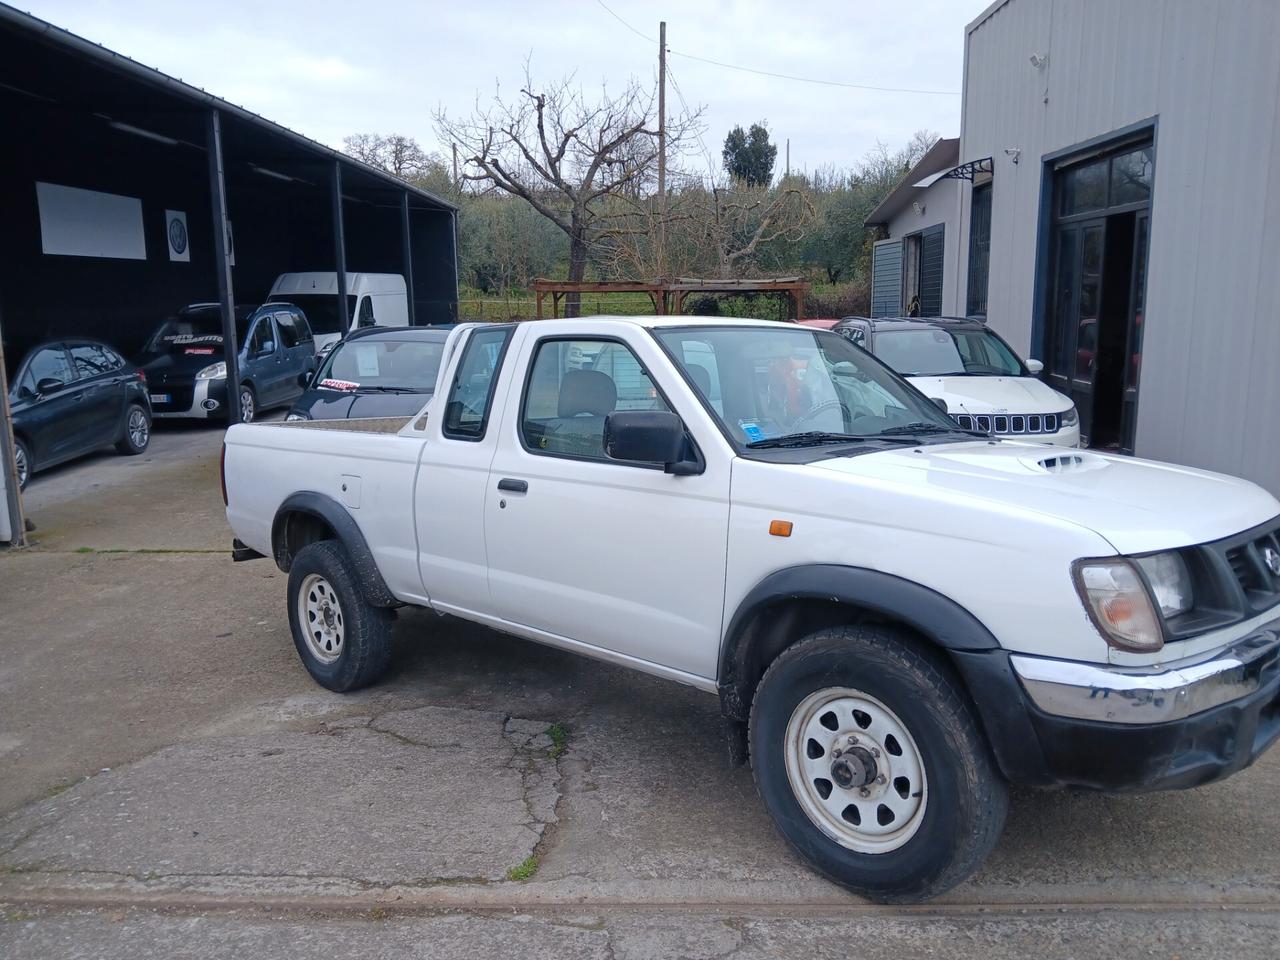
(1077, 296)
(1137, 312)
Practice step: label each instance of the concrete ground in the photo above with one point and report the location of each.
(172, 783)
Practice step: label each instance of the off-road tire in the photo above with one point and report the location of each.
(966, 797)
(366, 629)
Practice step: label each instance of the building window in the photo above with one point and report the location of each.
(979, 250)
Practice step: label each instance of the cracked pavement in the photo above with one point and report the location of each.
(172, 783)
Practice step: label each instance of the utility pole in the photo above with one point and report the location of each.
(788, 158)
(456, 181)
(662, 149)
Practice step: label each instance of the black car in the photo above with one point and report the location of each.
(183, 360)
(376, 372)
(71, 397)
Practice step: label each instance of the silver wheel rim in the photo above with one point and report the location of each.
(320, 615)
(855, 770)
(20, 456)
(246, 405)
(138, 429)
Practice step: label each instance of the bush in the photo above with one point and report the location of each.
(839, 300)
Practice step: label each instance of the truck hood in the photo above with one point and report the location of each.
(1138, 506)
(1016, 395)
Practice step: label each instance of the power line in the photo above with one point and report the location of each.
(781, 76)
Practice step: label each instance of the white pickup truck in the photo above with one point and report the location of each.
(899, 618)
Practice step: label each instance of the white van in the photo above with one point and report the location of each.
(373, 299)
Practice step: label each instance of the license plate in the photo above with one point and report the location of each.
(160, 398)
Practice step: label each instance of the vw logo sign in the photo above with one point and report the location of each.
(177, 235)
(1271, 557)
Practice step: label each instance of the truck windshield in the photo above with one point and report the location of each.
(767, 384)
(375, 363)
(321, 310)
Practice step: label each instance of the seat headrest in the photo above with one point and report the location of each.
(701, 378)
(586, 391)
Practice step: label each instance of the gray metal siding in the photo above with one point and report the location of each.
(1208, 76)
(886, 279)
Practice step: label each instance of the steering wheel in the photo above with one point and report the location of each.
(819, 408)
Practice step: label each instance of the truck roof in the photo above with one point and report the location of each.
(650, 322)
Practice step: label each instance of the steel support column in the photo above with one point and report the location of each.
(8, 464)
(340, 249)
(408, 252)
(222, 261)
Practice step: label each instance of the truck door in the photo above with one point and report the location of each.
(450, 491)
(618, 556)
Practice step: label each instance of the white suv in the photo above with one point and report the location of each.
(984, 384)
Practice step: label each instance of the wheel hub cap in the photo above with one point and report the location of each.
(853, 768)
(320, 618)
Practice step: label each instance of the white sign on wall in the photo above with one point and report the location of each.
(175, 229)
(89, 223)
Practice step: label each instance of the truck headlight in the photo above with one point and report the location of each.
(214, 371)
(1119, 604)
(1069, 417)
(1170, 581)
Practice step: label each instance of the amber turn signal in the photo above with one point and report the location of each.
(780, 528)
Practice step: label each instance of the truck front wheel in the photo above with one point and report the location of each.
(872, 766)
(344, 641)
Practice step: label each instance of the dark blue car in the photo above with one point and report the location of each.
(188, 378)
(375, 372)
(72, 397)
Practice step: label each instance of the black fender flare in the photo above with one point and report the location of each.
(933, 615)
(348, 533)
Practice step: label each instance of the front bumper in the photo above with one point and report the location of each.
(208, 399)
(1056, 722)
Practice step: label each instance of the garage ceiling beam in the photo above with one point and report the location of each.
(226, 292)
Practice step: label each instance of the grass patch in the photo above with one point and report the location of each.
(524, 870)
(559, 740)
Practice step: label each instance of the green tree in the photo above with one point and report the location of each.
(749, 156)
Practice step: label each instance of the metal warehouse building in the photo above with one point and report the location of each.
(1118, 216)
(118, 183)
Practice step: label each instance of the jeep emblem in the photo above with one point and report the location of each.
(1271, 557)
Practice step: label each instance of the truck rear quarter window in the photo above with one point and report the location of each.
(471, 394)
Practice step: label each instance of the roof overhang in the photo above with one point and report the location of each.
(942, 156)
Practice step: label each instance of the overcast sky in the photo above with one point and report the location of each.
(327, 69)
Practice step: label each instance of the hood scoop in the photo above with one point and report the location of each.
(1073, 462)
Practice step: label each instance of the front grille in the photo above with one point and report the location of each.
(1254, 557)
(1008, 424)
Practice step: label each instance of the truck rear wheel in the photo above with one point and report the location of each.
(344, 641)
(872, 766)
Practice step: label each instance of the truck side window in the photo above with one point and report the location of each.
(466, 414)
(573, 386)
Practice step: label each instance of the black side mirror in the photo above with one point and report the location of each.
(940, 403)
(48, 385)
(647, 436)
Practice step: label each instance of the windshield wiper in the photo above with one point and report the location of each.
(374, 388)
(814, 438)
(929, 428)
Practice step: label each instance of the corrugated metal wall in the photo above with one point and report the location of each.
(1209, 73)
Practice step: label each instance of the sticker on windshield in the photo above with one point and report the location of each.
(366, 360)
(339, 384)
(751, 430)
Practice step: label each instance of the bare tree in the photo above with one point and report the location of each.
(736, 222)
(395, 153)
(568, 158)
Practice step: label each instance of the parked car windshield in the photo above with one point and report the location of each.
(766, 384)
(940, 351)
(202, 325)
(321, 310)
(380, 363)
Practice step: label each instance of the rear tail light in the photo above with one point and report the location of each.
(222, 475)
(142, 375)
